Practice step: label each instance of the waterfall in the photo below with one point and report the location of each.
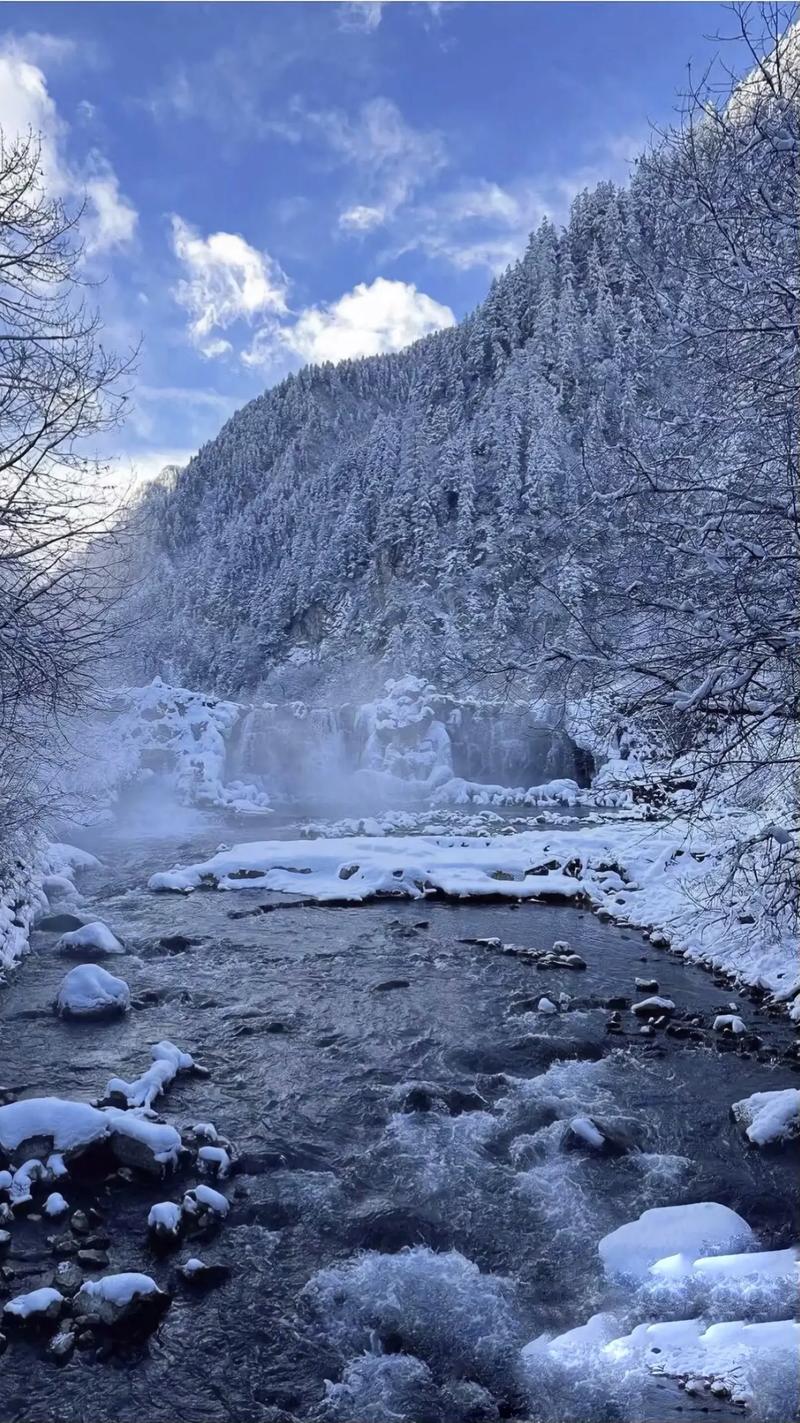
(301, 753)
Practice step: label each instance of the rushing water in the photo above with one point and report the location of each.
(371, 1118)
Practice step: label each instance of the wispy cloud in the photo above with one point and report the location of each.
(386, 159)
(224, 281)
(485, 224)
(363, 15)
(26, 106)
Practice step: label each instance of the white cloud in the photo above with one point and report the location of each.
(362, 15)
(41, 48)
(388, 157)
(111, 220)
(362, 218)
(26, 106)
(485, 224)
(367, 321)
(226, 281)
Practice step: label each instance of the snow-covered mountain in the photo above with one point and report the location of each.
(592, 473)
(398, 504)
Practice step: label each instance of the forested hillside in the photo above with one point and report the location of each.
(591, 478)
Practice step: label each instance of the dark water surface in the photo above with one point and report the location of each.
(316, 1068)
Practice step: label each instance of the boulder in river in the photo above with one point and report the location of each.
(59, 921)
(68, 1277)
(88, 991)
(61, 1346)
(123, 1303)
(39, 1309)
(91, 941)
(164, 1222)
(654, 1007)
(608, 1138)
(201, 1276)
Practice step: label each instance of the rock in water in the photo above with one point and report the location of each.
(90, 992)
(59, 922)
(36, 1310)
(123, 1303)
(90, 941)
(202, 1276)
(61, 1346)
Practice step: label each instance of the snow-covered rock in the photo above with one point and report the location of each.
(546, 1005)
(730, 1023)
(55, 1204)
(653, 1007)
(164, 1220)
(201, 1275)
(168, 1061)
(89, 991)
(137, 1141)
(205, 1205)
(23, 1180)
(123, 1301)
(52, 1124)
(633, 1248)
(216, 1160)
(37, 1307)
(769, 1117)
(93, 940)
(45, 1124)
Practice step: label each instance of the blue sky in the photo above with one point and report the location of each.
(274, 183)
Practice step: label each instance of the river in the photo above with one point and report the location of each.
(386, 1086)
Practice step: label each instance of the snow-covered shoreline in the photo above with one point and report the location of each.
(657, 877)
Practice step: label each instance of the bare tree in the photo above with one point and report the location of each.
(59, 389)
(695, 624)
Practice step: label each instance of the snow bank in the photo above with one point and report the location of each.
(31, 882)
(747, 1361)
(361, 868)
(631, 1250)
(70, 1127)
(457, 791)
(772, 1264)
(769, 1117)
(88, 991)
(660, 878)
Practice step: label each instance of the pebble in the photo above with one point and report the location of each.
(93, 1259)
(68, 1277)
(61, 1346)
(79, 1222)
(62, 1244)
